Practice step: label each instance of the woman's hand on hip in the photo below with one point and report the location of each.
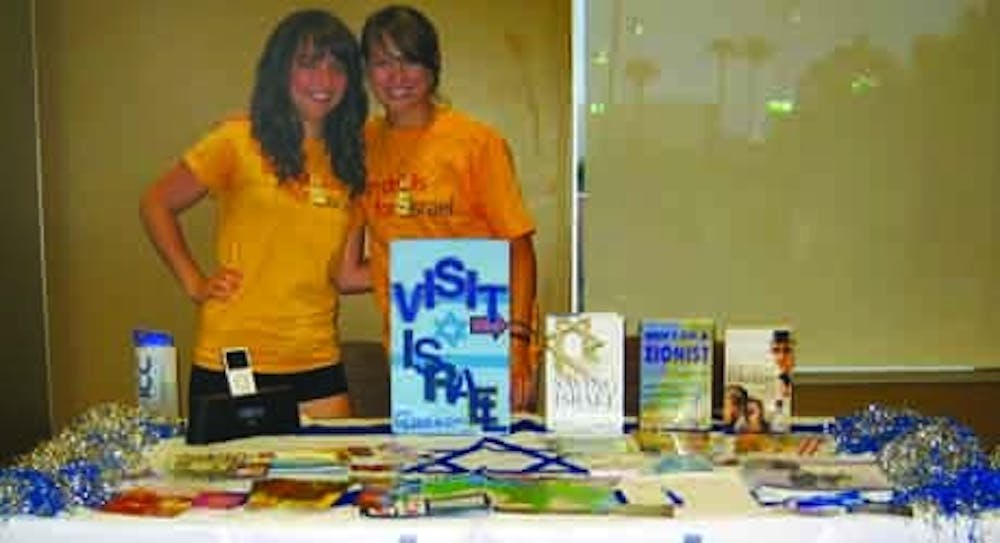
(222, 285)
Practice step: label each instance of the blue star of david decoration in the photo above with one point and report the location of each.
(446, 461)
(450, 329)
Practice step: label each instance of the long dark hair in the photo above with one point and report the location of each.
(276, 123)
(410, 31)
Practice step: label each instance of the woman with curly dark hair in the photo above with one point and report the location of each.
(284, 179)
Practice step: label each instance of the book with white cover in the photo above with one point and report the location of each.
(774, 481)
(758, 376)
(584, 373)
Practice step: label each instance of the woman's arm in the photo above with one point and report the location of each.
(353, 275)
(523, 356)
(159, 208)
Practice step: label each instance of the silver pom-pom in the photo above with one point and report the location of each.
(928, 452)
(109, 436)
(83, 463)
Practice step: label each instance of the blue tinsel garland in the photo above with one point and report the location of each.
(934, 463)
(82, 465)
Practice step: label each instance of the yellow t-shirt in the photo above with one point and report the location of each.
(451, 179)
(285, 239)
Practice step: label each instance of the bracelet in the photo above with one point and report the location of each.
(521, 327)
(521, 336)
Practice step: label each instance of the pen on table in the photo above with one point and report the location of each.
(674, 497)
(841, 502)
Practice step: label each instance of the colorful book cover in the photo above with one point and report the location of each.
(774, 481)
(371, 465)
(449, 336)
(436, 497)
(584, 373)
(219, 499)
(555, 495)
(758, 376)
(787, 444)
(332, 463)
(220, 465)
(294, 494)
(675, 374)
(679, 443)
(147, 502)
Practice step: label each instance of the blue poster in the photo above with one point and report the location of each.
(449, 342)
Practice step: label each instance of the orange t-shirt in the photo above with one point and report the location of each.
(451, 179)
(284, 241)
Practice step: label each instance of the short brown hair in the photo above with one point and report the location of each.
(410, 31)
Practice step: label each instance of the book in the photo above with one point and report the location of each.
(584, 373)
(147, 502)
(784, 481)
(591, 495)
(540, 495)
(432, 497)
(218, 499)
(788, 444)
(815, 474)
(331, 463)
(294, 494)
(219, 465)
(371, 465)
(675, 374)
(449, 337)
(701, 443)
(758, 376)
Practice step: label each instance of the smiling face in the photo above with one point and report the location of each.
(784, 355)
(755, 416)
(403, 86)
(733, 403)
(317, 83)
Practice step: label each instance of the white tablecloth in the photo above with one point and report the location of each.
(496, 528)
(717, 509)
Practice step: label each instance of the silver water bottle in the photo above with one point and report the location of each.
(156, 366)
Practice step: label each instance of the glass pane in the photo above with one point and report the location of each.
(824, 163)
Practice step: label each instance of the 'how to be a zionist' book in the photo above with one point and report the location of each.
(675, 374)
(449, 338)
(584, 373)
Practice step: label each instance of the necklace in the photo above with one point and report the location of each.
(315, 188)
(401, 160)
(318, 194)
(318, 190)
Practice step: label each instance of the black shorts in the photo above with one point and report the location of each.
(307, 385)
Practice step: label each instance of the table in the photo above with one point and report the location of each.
(718, 509)
(331, 529)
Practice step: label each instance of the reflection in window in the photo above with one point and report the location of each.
(823, 163)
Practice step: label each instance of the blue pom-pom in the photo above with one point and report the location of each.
(871, 429)
(29, 491)
(970, 491)
(158, 430)
(933, 462)
(84, 482)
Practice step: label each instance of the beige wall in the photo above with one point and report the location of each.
(24, 413)
(126, 85)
